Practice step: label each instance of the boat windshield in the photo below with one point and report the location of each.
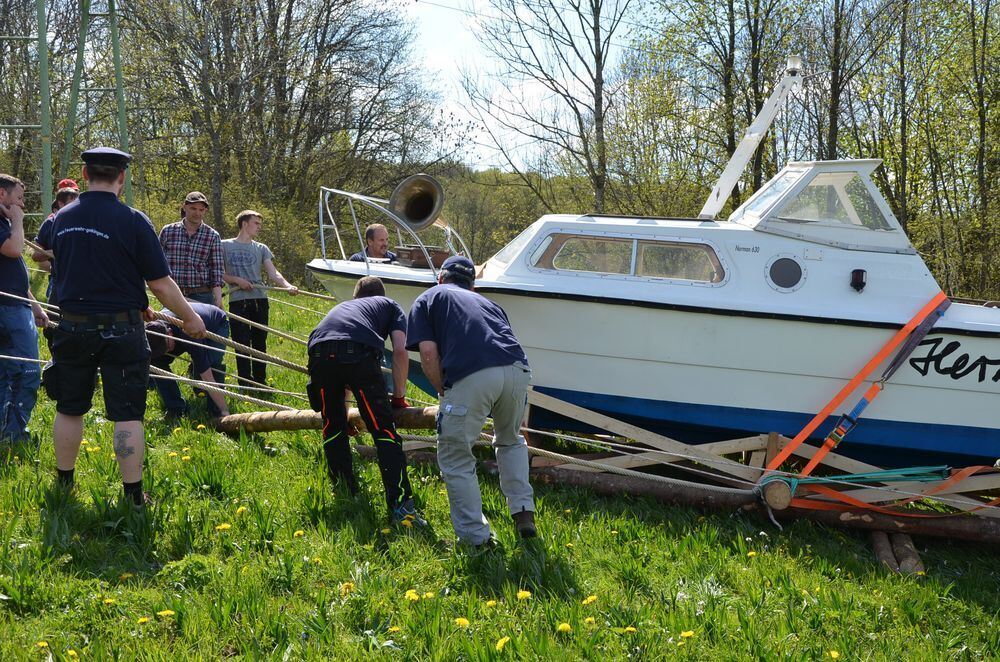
(507, 253)
(834, 198)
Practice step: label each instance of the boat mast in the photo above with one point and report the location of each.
(751, 139)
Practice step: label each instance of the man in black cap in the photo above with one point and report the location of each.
(105, 251)
(470, 354)
(344, 353)
(194, 252)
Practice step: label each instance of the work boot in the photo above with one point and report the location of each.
(407, 512)
(524, 522)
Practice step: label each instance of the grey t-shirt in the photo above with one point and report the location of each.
(245, 261)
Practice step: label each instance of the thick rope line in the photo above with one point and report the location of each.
(239, 346)
(264, 327)
(227, 352)
(293, 305)
(303, 292)
(213, 386)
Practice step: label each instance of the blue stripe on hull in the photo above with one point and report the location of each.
(886, 443)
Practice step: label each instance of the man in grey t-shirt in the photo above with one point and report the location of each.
(245, 262)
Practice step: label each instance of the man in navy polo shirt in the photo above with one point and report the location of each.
(105, 250)
(470, 354)
(18, 337)
(204, 358)
(344, 352)
(376, 245)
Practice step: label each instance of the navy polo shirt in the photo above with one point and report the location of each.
(201, 357)
(105, 250)
(13, 273)
(472, 333)
(360, 256)
(368, 320)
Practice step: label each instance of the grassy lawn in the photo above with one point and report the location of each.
(249, 552)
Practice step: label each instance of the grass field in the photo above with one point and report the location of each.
(249, 552)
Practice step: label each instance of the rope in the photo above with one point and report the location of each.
(264, 327)
(250, 351)
(289, 303)
(227, 352)
(215, 387)
(33, 246)
(303, 292)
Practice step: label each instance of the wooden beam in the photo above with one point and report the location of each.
(630, 431)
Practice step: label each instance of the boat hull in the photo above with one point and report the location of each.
(705, 375)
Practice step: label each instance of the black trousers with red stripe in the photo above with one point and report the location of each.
(363, 376)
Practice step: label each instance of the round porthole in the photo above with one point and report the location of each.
(785, 274)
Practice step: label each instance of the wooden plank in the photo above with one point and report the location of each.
(836, 461)
(644, 436)
(734, 445)
(774, 444)
(876, 495)
(758, 459)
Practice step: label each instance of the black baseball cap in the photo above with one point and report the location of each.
(107, 156)
(459, 265)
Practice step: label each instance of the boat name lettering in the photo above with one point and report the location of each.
(959, 367)
(747, 249)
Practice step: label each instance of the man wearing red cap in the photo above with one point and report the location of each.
(66, 192)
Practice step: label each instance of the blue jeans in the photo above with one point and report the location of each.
(19, 380)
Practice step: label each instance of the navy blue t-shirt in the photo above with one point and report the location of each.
(44, 239)
(368, 320)
(472, 333)
(105, 250)
(13, 272)
(360, 256)
(214, 319)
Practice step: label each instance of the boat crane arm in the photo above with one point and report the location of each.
(751, 139)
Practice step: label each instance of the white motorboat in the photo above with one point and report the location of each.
(705, 329)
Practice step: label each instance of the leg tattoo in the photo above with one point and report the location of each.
(122, 448)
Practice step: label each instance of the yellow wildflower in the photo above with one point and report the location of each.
(242, 510)
(564, 628)
(462, 622)
(42, 644)
(428, 595)
(491, 603)
(590, 620)
(186, 458)
(523, 595)
(613, 532)
(185, 449)
(143, 620)
(109, 601)
(318, 561)
(125, 575)
(834, 655)
(629, 629)
(166, 613)
(405, 522)
(412, 595)
(687, 634)
(589, 600)
(346, 589)
(225, 526)
(93, 449)
(172, 454)
(751, 553)
(71, 654)
(501, 642)
(176, 430)
(84, 442)
(200, 427)
(568, 510)
(569, 545)
(298, 534)
(394, 629)
(386, 531)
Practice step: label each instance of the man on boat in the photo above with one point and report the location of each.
(344, 353)
(18, 317)
(470, 354)
(194, 252)
(168, 341)
(105, 250)
(377, 245)
(245, 259)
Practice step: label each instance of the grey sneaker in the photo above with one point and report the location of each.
(524, 522)
(407, 512)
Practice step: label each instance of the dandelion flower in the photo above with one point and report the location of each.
(42, 644)
(143, 620)
(386, 531)
(186, 458)
(834, 655)
(200, 427)
(412, 595)
(564, 628)
(185, 449)
(589, 600)
(84, 442)
(590, 620)
(71, 654)
(428, 595)
(172, 454)
(629, 629)
(568, 511)
(491, 603)
(395, 628)
(405, 522)
(177, 430)
(166, 613)
(751, 554)
(501, 642)
(613, 532)
(298, 534)
(93, 449)
(124, 576)
(523, 595)
(462, 622)
(318, 561)
(346, 589)
(687, 634)
(109, 601)
(242, 510)
(569, 545)
(225, 526)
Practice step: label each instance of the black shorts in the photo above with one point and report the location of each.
(122, 354)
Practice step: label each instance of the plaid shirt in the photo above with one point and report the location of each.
(195, 260)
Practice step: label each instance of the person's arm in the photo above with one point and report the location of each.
(14, 244)
(400, 364)
(277, 278)
(241, 283)
(216, 269)
(217, 398)
(169, 294)
(430, 361)
(217, 296)
(41, 319)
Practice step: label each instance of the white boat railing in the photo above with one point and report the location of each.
(380, 205)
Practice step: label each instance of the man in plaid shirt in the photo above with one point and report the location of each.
(194, 252)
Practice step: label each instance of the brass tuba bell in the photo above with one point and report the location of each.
(417, 201)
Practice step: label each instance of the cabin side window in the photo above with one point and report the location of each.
(683, 261)
(571, 252)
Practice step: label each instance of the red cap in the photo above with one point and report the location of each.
(67, 183)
